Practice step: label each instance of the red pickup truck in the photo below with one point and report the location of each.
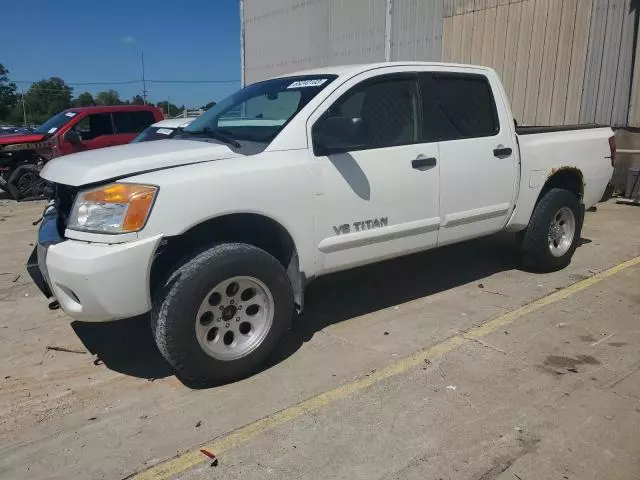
(73, 130)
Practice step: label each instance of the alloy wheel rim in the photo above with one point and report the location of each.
(234, 318)
(561, 231)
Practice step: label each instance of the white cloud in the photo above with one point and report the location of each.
(128, 39)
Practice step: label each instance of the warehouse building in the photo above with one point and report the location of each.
(561, 61)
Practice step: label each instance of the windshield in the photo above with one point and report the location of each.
(54, 123)
(260, 111)
(150, 134)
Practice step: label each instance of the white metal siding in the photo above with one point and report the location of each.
(561, 61)
(283, 36)
(416, 29)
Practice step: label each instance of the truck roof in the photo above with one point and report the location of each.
(359, 68)
(112, 108)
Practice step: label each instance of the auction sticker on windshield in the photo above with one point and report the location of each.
(307, 83)
(164, 131)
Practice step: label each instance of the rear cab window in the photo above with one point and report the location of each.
(457, 106)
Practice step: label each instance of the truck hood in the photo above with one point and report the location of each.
(125, 160)
(21, 138)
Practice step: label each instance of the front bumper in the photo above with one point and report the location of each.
(95, 282)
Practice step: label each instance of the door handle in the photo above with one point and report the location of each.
(422, 163)
(502, 152)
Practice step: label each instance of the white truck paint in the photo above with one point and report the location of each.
(340, 210)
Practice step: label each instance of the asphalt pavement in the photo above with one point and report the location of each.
(452, 364)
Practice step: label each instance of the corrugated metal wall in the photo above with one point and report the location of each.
(561, 61)
(283, 36)
(416, 29)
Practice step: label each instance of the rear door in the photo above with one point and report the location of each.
(478, 153)
(129, 124)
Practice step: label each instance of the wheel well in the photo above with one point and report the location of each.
(567, 178)
(252, 229)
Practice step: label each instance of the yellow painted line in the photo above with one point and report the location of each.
(242, 435)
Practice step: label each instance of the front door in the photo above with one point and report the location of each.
(478, 153)
(377, 197)
(95, 130)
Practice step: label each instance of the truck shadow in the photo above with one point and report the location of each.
(127, 346)
(344, 295)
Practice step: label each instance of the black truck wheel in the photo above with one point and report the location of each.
(220, 314)
(25, 183)
(553, 233)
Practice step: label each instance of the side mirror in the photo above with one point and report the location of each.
(338, 135)
(73, 137)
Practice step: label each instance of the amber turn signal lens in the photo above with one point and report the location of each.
(139, 199)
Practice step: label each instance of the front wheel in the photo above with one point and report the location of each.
(26, 183)
(221, 313)
(553, 233)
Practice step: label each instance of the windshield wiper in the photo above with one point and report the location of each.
(216, 135)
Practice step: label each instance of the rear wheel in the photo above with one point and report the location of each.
(221, 314)
(553, 233)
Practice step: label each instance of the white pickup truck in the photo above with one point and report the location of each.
(217, 231)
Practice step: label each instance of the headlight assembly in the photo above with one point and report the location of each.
(114, 208)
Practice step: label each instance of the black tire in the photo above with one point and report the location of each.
(25, 183)
(177, 302)
(534, 241)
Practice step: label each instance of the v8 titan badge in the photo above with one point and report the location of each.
(361, 225)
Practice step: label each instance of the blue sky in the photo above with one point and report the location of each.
(91, 41)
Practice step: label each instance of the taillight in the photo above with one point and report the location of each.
(612, 147)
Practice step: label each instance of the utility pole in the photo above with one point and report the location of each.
(144, 83)
(24, 111)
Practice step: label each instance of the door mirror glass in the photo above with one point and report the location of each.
(338, 135)
(73, 137)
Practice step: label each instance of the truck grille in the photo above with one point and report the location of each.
(64, 196)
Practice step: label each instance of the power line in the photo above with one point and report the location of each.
(129, 82)
(194, 81)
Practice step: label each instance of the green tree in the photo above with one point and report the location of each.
(137, 100)
(46, 98)
(109, 97)
(8, 96)
(169, 109)
(83, 100)
(208, 105)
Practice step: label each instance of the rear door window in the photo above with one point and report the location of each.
(132, 122)
(457, 106)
